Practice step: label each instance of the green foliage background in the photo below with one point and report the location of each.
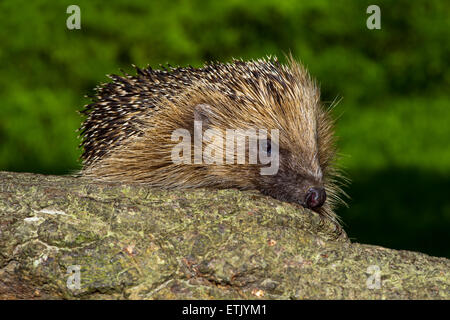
(393, 83)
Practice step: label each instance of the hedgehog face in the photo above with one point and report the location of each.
(298, 174)
(294, 184)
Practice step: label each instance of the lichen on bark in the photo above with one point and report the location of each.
(135, 242)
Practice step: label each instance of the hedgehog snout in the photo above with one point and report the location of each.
(315, 198)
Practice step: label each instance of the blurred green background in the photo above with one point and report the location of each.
(394, 113)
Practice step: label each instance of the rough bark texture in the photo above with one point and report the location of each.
(133, 242)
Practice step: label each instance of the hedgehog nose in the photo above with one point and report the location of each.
(315, 197)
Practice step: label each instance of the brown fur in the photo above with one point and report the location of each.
(127, 134)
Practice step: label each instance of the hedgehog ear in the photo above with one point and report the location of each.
(203, 112)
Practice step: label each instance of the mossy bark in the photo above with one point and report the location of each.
(134, 242)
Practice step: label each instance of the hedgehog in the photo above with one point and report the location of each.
(128, 132)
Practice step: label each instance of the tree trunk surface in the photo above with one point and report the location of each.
(70, 238)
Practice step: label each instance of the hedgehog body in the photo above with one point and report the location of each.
(128, 135)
